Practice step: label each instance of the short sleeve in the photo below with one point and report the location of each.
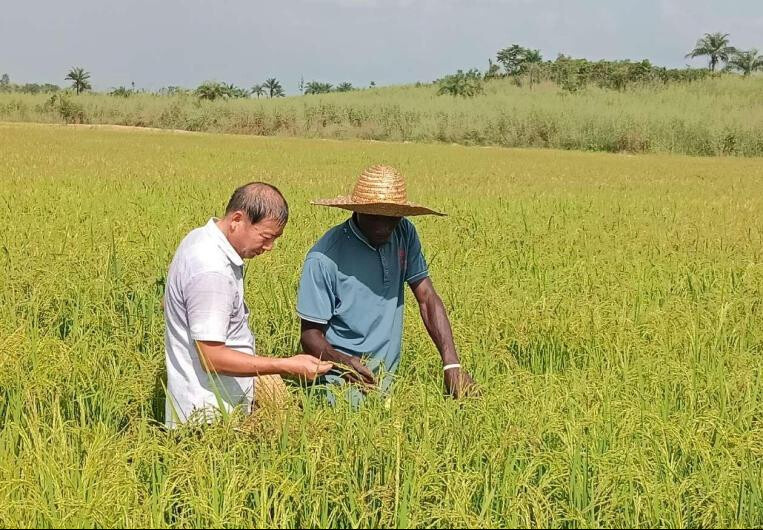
(209, 298)
(316, 297)
(416, 268)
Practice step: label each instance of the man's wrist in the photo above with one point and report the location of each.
(450, 357)
(280, 365)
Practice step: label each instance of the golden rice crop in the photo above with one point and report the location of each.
(610, 306)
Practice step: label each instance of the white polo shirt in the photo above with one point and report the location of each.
(204, 300)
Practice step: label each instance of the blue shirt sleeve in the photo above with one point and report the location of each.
(315, 300)
(416, 265)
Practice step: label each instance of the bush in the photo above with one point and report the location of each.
(68, 110)
(464, 84)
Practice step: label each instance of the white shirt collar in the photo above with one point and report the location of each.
(214, 231)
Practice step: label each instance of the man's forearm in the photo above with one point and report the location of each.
(436, 321)
(314, 343)
(227, 361)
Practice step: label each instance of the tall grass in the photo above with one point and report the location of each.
(610, 307)
(711, 117)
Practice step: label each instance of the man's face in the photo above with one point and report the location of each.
(252, 239)
(377, 228)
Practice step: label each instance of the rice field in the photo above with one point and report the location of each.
(610, 306)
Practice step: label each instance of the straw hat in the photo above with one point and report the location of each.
(380, 190)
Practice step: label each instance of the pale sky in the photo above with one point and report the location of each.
(157, 43)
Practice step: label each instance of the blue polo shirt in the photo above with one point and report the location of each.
(357, 290)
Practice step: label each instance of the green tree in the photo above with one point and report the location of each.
(80, 79)
(464, 84)
(35, 88)
(510, 58)
(516, 59)
(570, 74)
(316, 87)
(493, 70)
(274, 88)
(746, 62)
(122, 92)
(258, 90)
(532, 57)
(210, 90)
(232, 91)
(715, 46)
(345, 87)
(534, 72)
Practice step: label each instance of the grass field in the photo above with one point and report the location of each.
(610, 306)
(713, 117)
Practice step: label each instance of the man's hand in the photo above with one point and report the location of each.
(352, 369)
(356, 372)
(458, 384)
(305, 367)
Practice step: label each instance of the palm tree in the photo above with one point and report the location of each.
(316, 87)
(258, 90)
(532, 57)
(232, 91)
(79, 78)
(530, 66)
(714, 45)
(344, 87)
(746, 62)
(274, 88)
(210, 90)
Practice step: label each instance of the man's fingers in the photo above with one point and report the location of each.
(368, 376)
(354, 378)
(323, 367)
(472, 388)
(365, 373)
(351, 377)
(360, 372)
(460, 385)
(467, 386)
(318, 368)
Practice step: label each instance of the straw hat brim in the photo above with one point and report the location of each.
(392, 209)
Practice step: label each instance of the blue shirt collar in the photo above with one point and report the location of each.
(353, 224)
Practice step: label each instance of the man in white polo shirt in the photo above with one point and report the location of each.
(208, 344)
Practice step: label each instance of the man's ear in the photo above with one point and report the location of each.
(235, 218)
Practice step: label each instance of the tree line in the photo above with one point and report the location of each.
(524, 65)
(527, 67)
(208, 90)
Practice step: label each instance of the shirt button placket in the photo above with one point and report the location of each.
(385, 270)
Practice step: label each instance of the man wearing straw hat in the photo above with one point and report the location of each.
(351, 292)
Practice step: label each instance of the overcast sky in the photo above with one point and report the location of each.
(156, 43)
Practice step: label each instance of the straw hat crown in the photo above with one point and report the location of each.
(380, 184)
(379, 190)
